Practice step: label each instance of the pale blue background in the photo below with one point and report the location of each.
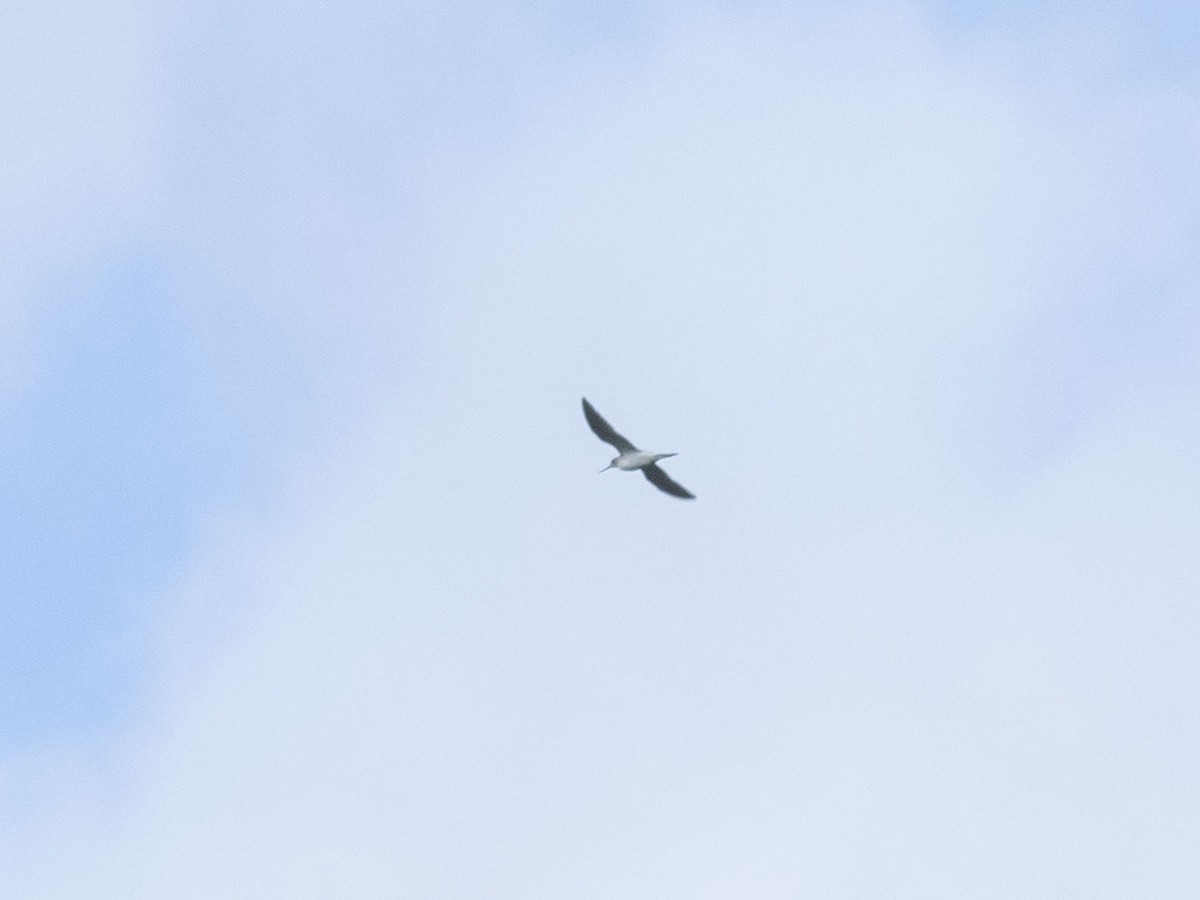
(309, 586)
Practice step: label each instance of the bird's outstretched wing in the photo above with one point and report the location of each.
(604, 431)
(663, 482)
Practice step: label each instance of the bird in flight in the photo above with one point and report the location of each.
(631, 457)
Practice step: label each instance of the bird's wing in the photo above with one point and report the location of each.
(663, 482)
(603, 430)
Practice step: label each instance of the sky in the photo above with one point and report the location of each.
(310, 587)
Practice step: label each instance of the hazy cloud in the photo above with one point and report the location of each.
(917, 318)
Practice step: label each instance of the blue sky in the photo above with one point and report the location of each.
(310, 586)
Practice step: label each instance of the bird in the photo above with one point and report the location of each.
(631, 457)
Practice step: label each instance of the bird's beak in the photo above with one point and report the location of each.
(606, 468)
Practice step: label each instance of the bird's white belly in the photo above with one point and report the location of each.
(631, 461)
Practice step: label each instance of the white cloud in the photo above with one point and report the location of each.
(79, 150)
(470, 666)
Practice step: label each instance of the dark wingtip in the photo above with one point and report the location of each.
(661, 480)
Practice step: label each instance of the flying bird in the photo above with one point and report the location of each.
(631, 457)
